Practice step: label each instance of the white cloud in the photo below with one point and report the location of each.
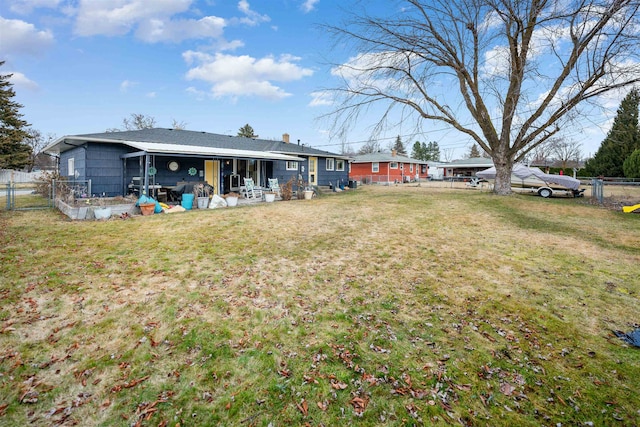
(21, 37)
(320, 99)
(27, 6)
(198, 94)
(251, 17)
(158, 30)
(309, 5)
(21, 81)
(151, 95)
(244, 75)
(126, 85)
(151, 21)
(119, 17)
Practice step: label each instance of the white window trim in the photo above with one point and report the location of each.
(340, 165)
(393, 165)
(411, 167)
(330, 163)
(375, 167)
(292, 166)
(71, 166)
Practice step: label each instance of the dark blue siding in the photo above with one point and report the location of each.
(79, 157)
(104, 169)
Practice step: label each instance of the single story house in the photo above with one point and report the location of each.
(466, 168)
(118, 163)
(387, 168)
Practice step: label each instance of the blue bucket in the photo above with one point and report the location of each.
(187, 201)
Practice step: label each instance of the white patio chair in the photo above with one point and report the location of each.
(274, 186)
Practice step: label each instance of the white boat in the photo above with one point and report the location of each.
(525, 179)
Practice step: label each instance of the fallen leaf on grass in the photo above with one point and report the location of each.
(303, 407)
(338, 385)
(323, 405)
(507, 389)
(359, 405)
(412, 409)
(285, 373)
(130, 384)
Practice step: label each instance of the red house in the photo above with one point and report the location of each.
(386, 168)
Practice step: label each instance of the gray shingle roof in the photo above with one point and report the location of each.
(206, 139)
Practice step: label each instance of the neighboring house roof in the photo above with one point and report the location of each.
(385, 157)
(474, 162)
(187, 142)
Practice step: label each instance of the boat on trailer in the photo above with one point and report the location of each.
(525, 179)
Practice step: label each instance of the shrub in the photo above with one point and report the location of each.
(286, 189)
(631, 165)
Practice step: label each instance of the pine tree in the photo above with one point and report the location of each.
(474, 152)
(246, 131)
(621, 141)
(14, 154)
(399, 146)
(632, 165)
(418, 151)
(432, 152)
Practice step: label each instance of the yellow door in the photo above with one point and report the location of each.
(313, 171)
(212, 174)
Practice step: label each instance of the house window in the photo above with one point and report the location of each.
(393, 165)
(292, 166)
(71, 166)
(339, 165)
(330, 164)
(375, 167)
(411, 167)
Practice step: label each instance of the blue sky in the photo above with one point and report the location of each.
(81, 66)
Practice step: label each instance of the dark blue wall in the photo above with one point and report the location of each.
(103, 165)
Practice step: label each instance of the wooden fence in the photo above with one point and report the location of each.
(8, 175)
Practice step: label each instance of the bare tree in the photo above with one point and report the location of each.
(447, 154)
(510, 74)
(135, 122)
(540, 154)
(37, 141)
(178, 125)
(568, 153)
(371, 146)
(138, 122)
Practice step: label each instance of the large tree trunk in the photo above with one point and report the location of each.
(504, 166)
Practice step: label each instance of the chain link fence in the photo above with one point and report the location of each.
(42, 194)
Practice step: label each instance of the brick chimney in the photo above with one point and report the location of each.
(285, 137)
(393, 153)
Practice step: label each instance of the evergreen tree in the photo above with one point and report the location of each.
(418, 151)
(399, 146)
(14, 153)
(474, 152)
(246, 131)
(432, 152)
(621, 141)
(632, 165)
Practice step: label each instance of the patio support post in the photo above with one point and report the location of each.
(146, 174)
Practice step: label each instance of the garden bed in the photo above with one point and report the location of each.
(85, 208)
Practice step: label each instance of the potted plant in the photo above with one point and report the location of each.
(147, 205)
(102, 211)
(232, 199)
(201, 193)
(269, 196)
(308, 193)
